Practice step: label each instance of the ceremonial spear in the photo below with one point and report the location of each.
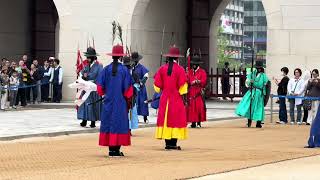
(161, 54)
(252, 64)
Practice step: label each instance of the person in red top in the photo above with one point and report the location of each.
(197, 81)
(171, 80)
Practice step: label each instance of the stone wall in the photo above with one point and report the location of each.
(293, 31)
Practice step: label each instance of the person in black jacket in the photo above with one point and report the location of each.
(225, 81)
(283, 91)
(35, 77)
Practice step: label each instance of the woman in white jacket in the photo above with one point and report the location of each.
(296, 87)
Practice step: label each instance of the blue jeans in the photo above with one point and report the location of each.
(292, 107)
(283, 110)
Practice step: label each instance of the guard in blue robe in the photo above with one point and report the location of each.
(314, 139)
(156, 100)
(133, 114)
(90, 110)
(115, 84)
(140, 76)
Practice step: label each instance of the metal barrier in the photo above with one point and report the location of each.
(50, 96)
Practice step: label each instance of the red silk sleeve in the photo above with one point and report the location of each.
(128, 93)
(100, 90)
(203, 79)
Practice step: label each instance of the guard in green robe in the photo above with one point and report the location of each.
(255, 96)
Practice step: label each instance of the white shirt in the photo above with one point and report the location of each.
(50, 72)
(60, 74)
(297, 86)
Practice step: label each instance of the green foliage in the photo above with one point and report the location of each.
(223, 47)
(262, 53)
(223, 51)
(114, 31)
(120, 33)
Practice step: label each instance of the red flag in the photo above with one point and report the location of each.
(79, 64)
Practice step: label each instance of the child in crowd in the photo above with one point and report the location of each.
(14, 84)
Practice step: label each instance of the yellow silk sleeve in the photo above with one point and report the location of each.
(183, 89)
(156, 89)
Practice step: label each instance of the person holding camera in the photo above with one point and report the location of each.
(313, 90)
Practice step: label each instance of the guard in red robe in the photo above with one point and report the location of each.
(171, 80)
(115, 84)
(197, 81)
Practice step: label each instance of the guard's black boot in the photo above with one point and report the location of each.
(199, 124)
(258, 125)
(173, 145)
(249, 123)
(193, 125)
(93, 124)
(83, 123)
(145, 118)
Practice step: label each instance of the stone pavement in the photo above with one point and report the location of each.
(304, 168)
(60, 119)
(218, 147)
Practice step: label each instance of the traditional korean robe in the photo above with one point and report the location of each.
(142, 95)
(258, 93)
(314, 139)
(172, 120)
(91, 112)
(117, 91)
(196, 108)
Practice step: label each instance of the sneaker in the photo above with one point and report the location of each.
(14, 107)
(292, 123)
(281, 122)
(308, 124)
(304, 123)
(299, 123)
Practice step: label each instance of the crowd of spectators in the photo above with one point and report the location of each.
(26, 82)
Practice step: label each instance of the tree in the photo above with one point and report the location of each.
(224, 51)
(223, 48)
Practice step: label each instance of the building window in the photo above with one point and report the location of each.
(262, 21)
(248, 6)
(262, 34)
(260, 6)
(248, 21)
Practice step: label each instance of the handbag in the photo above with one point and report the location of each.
(307, 103)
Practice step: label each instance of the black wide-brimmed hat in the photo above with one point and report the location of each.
(91, 52)
(136, 56)
(259, 64)
(196, 59)
(126, 61)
